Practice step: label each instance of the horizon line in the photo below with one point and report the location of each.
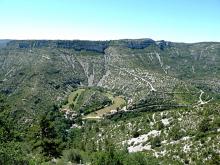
(34, 39)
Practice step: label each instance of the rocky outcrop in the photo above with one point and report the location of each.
(162, 44)
(78, 45)
(138, 44)
(97, 46)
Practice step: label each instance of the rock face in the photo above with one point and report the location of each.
(78, 45)
(97, 46)
(137, 44)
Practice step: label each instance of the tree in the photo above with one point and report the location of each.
(71, 106)
(204, 125)
(49, 143)
(11, 149)
(52, 133)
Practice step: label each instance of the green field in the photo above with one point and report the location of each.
(118, 102)
(73, 97)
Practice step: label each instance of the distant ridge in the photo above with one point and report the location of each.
(4, 42)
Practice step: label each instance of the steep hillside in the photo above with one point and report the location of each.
(155, 97)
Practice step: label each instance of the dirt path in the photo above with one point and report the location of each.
(92, 117)
(201, 102)
(138, 77)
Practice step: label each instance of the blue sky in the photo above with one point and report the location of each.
(172, 20)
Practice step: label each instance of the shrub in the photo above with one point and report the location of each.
(160, 125)
(175, 133)
(72, 155)
(135, 134)
(156, 142)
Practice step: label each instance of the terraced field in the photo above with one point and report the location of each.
(79, 98)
